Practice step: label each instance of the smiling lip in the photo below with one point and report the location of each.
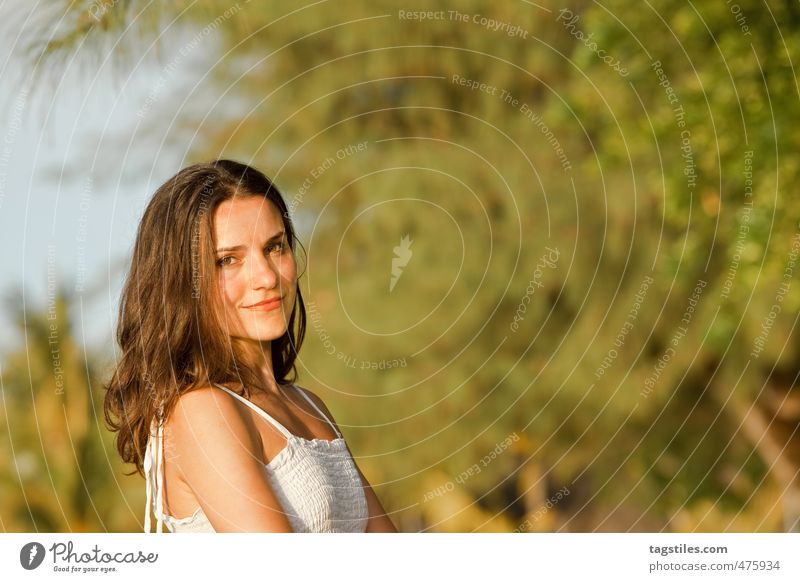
(266, 305)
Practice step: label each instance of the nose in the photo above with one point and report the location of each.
(263, 273)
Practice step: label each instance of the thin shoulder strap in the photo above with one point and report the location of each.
(259, 411)
(154, 478)
(322, 414)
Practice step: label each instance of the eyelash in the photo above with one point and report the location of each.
(221, 261)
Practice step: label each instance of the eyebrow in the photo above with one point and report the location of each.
(240, 247)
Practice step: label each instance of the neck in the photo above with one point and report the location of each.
(258, 356)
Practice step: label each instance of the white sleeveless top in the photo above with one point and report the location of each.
(315, 481)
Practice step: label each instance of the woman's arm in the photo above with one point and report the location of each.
(221, 460)
(378, 520)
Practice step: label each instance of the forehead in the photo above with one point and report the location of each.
(242, 218)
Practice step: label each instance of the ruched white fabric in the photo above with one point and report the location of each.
(315, 481)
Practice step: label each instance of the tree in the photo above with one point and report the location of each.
(496, 138)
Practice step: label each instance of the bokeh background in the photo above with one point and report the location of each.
(553, 277)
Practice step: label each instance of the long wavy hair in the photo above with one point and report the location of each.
(171, 330)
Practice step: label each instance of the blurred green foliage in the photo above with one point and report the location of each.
(652, 185)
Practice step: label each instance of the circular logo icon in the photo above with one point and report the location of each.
(31, 555)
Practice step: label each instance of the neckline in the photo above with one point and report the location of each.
(279, 425)
(327, 443)
(274, 464)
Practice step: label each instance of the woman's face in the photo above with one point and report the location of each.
(254, 265)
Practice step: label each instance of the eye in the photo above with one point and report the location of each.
(277, 247)
(225, 261)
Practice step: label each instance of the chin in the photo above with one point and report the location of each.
(264, 335)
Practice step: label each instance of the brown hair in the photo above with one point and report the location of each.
(170, 332)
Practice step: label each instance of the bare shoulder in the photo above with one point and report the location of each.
(217, 452)
(203, 405)
(209, 414)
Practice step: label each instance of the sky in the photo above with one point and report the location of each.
(81, 152)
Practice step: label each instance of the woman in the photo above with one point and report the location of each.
(201, 395)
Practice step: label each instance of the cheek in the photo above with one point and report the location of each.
(288, 269)
(228, 288)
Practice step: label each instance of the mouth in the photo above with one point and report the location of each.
(266, 305)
